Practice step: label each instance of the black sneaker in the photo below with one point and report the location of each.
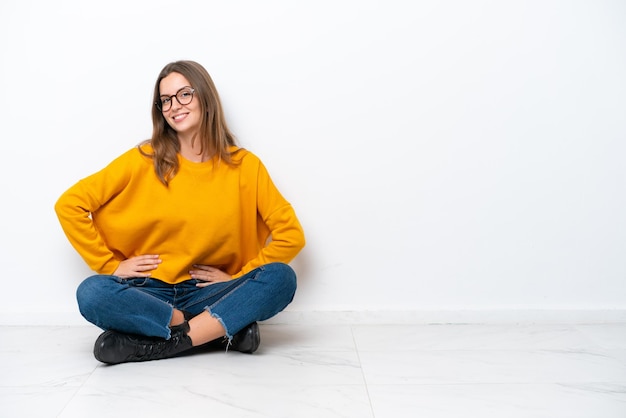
(114, 347)
(247, 340)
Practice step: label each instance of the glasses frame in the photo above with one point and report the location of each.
(159, 105)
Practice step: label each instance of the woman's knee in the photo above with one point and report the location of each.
(284, 276)
(91, 291)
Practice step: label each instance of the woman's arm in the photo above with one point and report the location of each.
(286, 233)
(75, 207)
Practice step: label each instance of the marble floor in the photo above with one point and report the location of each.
(300, 371)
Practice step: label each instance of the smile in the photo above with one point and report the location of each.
(179, 117)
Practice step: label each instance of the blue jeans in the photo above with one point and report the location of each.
(144, 306)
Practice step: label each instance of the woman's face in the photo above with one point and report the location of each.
(185, 119)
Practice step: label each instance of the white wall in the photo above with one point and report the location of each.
(442, 155)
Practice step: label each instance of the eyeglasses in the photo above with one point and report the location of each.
(184, 96)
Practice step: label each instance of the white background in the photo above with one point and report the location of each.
(441, 155)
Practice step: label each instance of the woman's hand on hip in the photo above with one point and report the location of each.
(208, 275)
(139, 266)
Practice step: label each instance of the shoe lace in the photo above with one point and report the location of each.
(157, 348)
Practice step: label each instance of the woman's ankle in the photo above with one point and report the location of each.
(177, 318)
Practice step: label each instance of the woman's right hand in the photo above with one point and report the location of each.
(139, 266)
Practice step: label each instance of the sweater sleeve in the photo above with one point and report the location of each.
(75, 208)
(276, 214)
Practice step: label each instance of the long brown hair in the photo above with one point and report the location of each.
(214, 134)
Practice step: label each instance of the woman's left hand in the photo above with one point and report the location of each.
(208, 275)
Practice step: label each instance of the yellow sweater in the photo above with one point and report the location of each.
(232, 218)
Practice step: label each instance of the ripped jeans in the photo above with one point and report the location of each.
(144, 306)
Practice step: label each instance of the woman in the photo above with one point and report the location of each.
(188, 234)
